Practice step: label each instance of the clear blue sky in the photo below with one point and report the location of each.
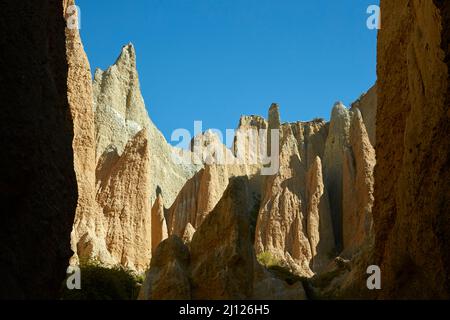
(214, 60)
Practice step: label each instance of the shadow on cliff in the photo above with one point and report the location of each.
(38, 189)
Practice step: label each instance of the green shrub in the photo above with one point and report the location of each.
(268, 260)
(278, 268)
(101, 283)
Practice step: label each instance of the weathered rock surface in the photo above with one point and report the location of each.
(250, 141)
(203, 191)
(127, 181)
(159, 226)
(222, 255)
(273, 123)
(359, 162)
(284, 216)
(281, 229)
(207, 148)
(38, 188)
(267, 286)
(308, 192)
(81, 101)
(200, 195)
(124, 198)
(333, 161)
(188, 234)
(367, 105)
(168, 277)
(412, 177)
(120, 113)
(197, 198)
(319, 224)
(222, 258)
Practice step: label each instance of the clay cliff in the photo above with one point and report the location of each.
(287, 215)
(123, 196)
(120, 113)
(80, 97)
(367, 105)
(297, 211)
(358, 184)
(84, 168)
(134, 164)
(318, 197)
(203, 191)
(220, 262)
(37, 178)
(282, 227)
(412, 177)
(159, 226)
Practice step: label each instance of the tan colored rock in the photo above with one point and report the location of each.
(159, 226)
(197, 198)
(274, 123)
(207, 148)
(80, 97)
(358, 186)
(311, 139)
(269, 287)
(367, 105)
(412, 177)
(250, 139)
(188, 233)
(168, 277)
(124, 196)
(203, 191)
(107, 229)
(225, 233)
(319, 224)
(291, 202)
(333, 160)
(282, 226)
(120, 113)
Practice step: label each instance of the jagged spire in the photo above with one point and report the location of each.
(274, 116)
(127, 56)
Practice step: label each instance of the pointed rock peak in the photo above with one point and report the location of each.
(159, 200)
(317, 165)
(340, 111)
(339, 108)
(98, 74)
(274, 116)
(188, 233)
(127, 56)
(158, 191)
(274, 106)
(358, 128)
(138, 144)
(357, 114)
(141, 135)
